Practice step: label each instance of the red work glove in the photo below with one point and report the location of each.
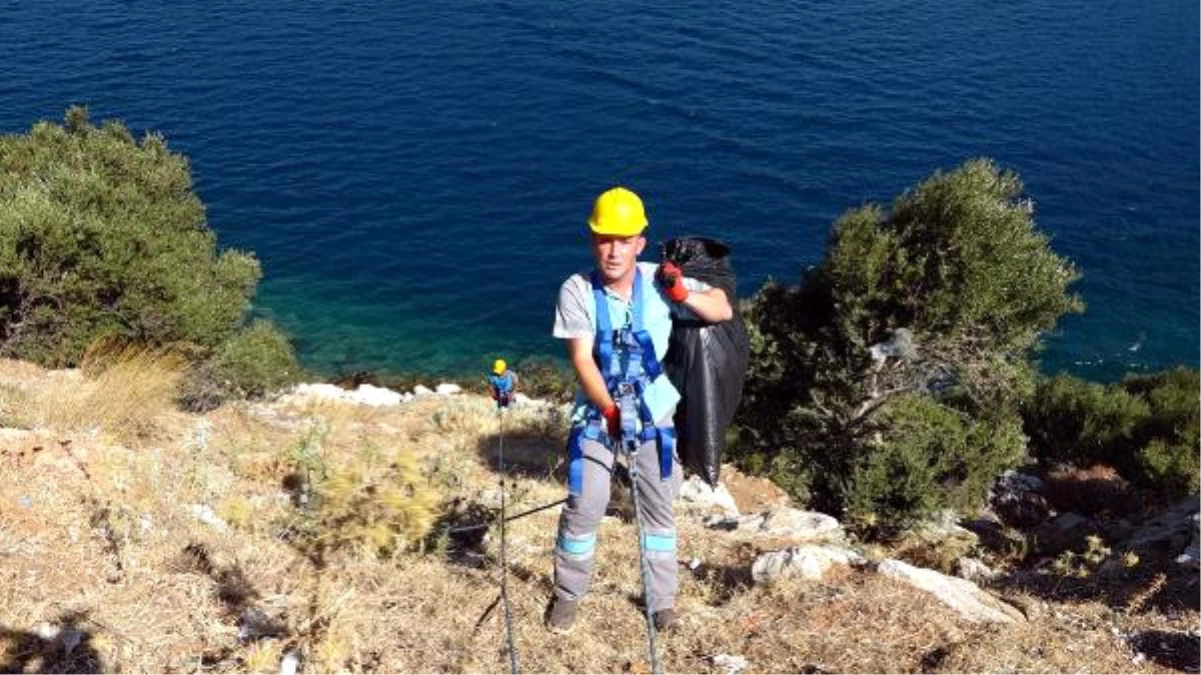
(672, 279)
(612, 420)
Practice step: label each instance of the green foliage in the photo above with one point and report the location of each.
(1084, 564)
(253, 362)
(257, 360)
(928, 457)
(1172, 467)
(920, 317)
(1148, 427)
(545, 379)
(1071, 420)
(101, 235)
(1170, 437)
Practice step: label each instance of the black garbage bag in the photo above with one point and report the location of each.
(706, 361)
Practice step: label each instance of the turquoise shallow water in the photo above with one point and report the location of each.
(415, 177)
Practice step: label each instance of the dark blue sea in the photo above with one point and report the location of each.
(415, 177)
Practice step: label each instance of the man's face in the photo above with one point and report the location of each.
(616, 256)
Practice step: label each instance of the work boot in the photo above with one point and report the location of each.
(665, 620)
(560, 616)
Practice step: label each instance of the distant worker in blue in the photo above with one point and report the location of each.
(502, 384)
(616, 320)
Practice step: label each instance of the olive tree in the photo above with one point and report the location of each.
(886, 384)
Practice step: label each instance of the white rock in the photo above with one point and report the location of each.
(422, 390)
(944, 526)
(289, 664)
(366, 394)
(782, 521)
(961, 595)
(1192, 554)
(785, 521)
(204, 513)
(974, 570)
(448, 389)
(900, 345)
(806, 562)
(731, 664)
(319, 390)
(369, 394)
(1015, 481)
(696, 494)
(733, 523)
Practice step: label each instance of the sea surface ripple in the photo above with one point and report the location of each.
(415, 176)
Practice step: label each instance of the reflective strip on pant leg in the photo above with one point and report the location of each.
(663, 583)
(577, 547)
(659, 544)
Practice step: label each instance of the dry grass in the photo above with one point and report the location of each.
(103, 540)
(1093, 490)
(123, 392)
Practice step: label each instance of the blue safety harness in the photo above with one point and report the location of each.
(627, 361)
(502, 384)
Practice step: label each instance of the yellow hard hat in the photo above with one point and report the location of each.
(618, 212)
(499, 367)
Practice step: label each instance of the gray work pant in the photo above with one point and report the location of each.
(575, 548)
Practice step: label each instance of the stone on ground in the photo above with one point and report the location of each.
(696, 495)
(806, 562)
(960, 595)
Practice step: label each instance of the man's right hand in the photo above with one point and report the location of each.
(612, 417)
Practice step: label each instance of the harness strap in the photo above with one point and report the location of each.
(502, 383)
(604, 327)
(633, 338)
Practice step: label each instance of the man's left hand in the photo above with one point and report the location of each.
(672, 280)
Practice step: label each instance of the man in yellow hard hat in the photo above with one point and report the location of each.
(502, 384)
(616, 320)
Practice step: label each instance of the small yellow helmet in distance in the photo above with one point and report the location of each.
(499, 367)
(618, 212)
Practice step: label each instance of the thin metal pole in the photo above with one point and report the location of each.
(504, 564)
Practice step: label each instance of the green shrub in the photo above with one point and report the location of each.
(941, 298)
(254, 362)
(1147, 427)
(1171, 435)
(544, 378)
(930, 457)
(1071, 420)
(1171, 467)
(101, 235)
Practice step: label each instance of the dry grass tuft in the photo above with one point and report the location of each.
(122, 392)
(377, 502)
(1093, 490)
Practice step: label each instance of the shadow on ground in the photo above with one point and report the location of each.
(65, 647)
(528, 452)
(238, 597)
(1181, 651)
